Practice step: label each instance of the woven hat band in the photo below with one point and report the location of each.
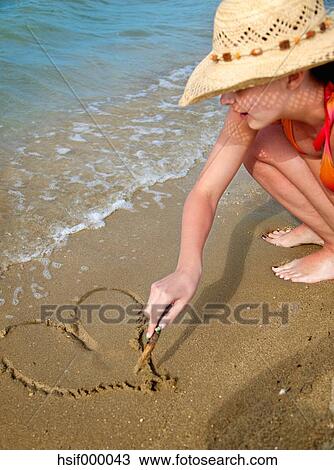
(255, 41)
(281, 45)
(242, 26)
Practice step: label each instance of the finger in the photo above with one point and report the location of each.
(156, 312)
(148, 308)
(150, 329)
(175, 309)
(152, 320)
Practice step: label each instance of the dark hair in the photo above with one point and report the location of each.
(323, 73)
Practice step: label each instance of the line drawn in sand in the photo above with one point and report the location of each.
(151, 379)
(331, 402)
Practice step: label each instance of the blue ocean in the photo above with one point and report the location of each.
(88, 93)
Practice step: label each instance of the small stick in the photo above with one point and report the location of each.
(150, 345)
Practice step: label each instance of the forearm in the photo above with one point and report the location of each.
(197, 219)
(200, 207)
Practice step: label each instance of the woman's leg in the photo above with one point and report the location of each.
(276, 184)
(314, 165)
(302, 234)
(275, 165)
(290, 237)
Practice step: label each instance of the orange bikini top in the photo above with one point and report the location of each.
(288, 131)
(323, 137)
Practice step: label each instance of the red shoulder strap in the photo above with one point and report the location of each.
(325, 130)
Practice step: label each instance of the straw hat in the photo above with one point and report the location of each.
(258, 40)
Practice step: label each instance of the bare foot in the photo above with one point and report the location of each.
(316, 267)
(288, 238)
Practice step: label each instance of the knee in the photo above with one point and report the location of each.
(262, 150)
(256, 158)
(258, 169)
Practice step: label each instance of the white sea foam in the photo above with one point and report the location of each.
(38, 291)
(75, 179)
(163, 83)
(46, 197)
(158, 196)
(156, 118)
(136, 95)
(97, 110)
(93, 219)
(62, 150)
(139, 132)
(18, 291)
(96, 182)
(181, 73)
(80, 127)
(142, 93)
(20, 199)
(152, 153)
(167, 105)
(77, 138)
(18, 183)
(56, 265)
(34, 154)
(45, 262)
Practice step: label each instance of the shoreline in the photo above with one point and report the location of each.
(238, 385)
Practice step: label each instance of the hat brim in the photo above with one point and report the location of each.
(211, 78)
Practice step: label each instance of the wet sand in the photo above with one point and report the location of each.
(212, 385)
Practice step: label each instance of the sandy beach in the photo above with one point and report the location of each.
(219, 385)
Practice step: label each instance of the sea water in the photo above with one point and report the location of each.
(88, 93)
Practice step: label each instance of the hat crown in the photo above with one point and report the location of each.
(241, 25)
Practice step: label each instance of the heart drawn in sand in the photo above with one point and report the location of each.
(83, 357)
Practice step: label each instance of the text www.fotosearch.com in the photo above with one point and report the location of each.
(102, 459)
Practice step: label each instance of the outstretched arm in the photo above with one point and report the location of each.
(199, 210)
(200, 206)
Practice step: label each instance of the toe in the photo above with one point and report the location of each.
(279, 275)
(281, 232)
(278, 269)
(283, 275)
(286, 270)
(271, 240)
(286, 273)
(284, 267)
(274, 234)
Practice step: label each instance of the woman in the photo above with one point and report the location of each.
(275, 72)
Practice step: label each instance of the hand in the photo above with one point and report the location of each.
(176, 289)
